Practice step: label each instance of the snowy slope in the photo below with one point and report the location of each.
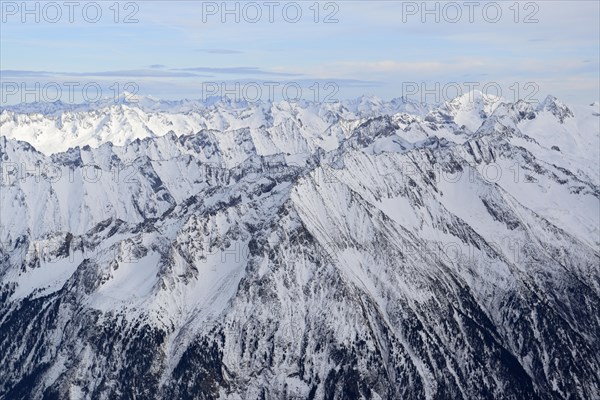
(364, 249)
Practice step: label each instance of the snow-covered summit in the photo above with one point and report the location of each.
(554, 106)
(471, 108)
(55, 127)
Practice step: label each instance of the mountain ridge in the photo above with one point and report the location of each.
(408, 257)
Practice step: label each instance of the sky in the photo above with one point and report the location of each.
(325, 51)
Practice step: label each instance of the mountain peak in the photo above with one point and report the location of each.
(554, 106)
(471, 109)
(475, 98)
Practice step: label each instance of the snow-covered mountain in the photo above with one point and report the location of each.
(354, 250)
(277, 127)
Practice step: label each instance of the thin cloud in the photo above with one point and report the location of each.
(143, 73)
(220, 51)
(238, 71)
(13, 73)
(138, 73)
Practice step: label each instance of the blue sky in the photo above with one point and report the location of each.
(176, 49)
